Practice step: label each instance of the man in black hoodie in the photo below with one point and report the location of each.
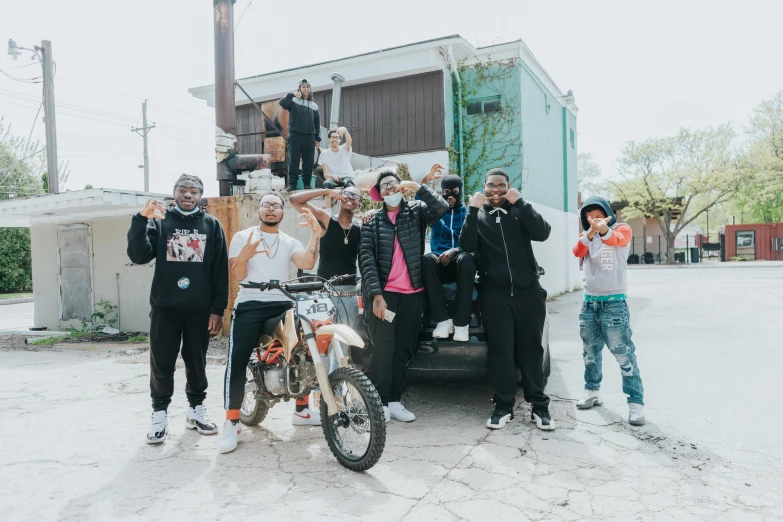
(189, 294)
(498, 230)
(304, 132)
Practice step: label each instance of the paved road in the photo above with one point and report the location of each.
(710, 357)
(18, 316)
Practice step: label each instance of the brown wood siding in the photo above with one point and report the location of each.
(396, 116)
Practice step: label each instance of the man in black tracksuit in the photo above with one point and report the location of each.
(498, 230)
(304, 132)
(189, 294)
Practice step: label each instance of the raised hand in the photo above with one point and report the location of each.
(310, 221)
(434, 173)
(335, 194)
(297, 94)
(409, 185)
(153, 209)
(512, 196)
(477, 199)
(250, 249)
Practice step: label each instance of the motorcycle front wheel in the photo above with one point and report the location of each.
(358, 435)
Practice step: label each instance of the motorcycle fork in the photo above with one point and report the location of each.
(320, 369)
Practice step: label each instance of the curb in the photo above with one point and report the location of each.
(16, 301)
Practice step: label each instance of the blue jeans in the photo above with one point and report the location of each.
(608, 323)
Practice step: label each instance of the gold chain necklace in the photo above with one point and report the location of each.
(268, 248)
(346, 233)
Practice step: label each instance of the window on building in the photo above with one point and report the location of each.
(483, 106)
(571, 135)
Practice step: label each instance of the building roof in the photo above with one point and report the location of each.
(382, 64)
(73, 206)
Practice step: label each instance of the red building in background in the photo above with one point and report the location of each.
(752, 241)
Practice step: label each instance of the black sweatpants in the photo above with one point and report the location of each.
(394, 344)
(247, 322)
(461, 270)
(514, 327)
(300, 146)
(171, 328)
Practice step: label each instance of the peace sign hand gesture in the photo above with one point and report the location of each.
(250, 249)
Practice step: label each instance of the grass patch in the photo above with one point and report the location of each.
(139, 339)
(49, 340)
(15, 296)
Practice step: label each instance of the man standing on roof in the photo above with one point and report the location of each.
(304, 133)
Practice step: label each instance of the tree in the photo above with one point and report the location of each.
(677, 179)
(761, 197)
(590, 180)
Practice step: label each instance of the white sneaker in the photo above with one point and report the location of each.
(635, 414)
(462, 333)
(443, 329)
(306, 417)
(386, 414)
(589, 399)
(399, 412)
(197, 419)
(231, 433)
(157, 433)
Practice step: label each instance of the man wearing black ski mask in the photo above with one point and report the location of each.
(448, 264)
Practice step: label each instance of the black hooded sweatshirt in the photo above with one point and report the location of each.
(500, 243)
(191, 259)
(303, 115)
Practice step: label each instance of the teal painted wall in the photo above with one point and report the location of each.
(539, 141)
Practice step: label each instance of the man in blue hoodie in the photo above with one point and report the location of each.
(448, 264)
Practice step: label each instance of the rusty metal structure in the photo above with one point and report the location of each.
(229, 162)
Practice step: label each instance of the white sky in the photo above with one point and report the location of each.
(638, 69)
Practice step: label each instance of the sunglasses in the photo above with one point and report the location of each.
(352, 196)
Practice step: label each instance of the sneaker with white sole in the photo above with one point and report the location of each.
(231, 433)
(499, 418)
(306, 417)
(461, 333)
(198, 419)
(386, 414)
(589, 399)
(542, 418)
(635, 414)
(399, 412)
(157, 433)
(443, 329)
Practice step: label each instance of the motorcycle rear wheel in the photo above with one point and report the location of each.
(358, 441)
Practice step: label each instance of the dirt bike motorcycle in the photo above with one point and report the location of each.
(291, 360)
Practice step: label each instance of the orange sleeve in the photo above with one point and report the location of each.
(580, 249)
(618, 236)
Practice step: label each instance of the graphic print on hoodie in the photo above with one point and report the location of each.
(605, 257)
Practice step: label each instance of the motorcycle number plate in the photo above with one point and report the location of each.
(318, 308)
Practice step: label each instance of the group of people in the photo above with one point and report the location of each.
(491, 238)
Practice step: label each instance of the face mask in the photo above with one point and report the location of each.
(187, 213)
(393, 200)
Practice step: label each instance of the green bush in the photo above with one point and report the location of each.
(16, 267)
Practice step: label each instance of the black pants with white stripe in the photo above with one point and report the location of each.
(246, 327)
(170, 328)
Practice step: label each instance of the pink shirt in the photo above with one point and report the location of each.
(399, 278)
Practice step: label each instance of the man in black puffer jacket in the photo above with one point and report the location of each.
(304, 133)
(390, 255)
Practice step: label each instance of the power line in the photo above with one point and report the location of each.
(243, 14)
(36, 79)
(19, 66)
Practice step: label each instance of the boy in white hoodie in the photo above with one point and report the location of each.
(605, 318)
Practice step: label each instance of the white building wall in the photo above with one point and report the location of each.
(555, 255)
(113, 277)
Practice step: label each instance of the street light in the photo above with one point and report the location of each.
(13, 50)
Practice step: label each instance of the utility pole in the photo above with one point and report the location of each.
(144, 131)
(52, 167)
